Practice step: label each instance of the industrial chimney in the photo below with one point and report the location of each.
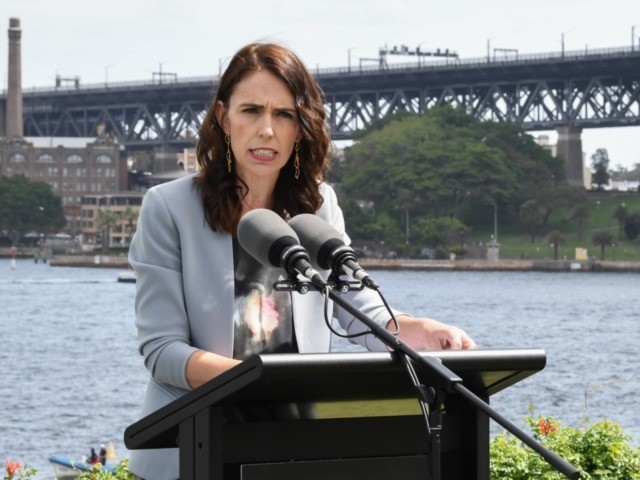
(14, 91)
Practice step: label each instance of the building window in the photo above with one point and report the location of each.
(74, 158)
(103, 159)
(45, 158)
(17, 158)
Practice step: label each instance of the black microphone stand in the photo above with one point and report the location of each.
(446, 382)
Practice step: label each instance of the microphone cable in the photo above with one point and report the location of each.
(423, 392)
(327, 320)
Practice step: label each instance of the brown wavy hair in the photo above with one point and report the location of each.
(221, 193)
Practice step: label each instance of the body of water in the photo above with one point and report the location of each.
(71, 377)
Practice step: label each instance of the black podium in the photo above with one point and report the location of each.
(330, 416)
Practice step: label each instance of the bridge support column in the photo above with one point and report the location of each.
(570, 148)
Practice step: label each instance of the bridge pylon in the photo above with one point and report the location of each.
(569, 147)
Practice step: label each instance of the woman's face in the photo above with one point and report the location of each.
(262, 121)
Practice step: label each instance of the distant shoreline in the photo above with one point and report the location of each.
(501, 265)
(99, 261)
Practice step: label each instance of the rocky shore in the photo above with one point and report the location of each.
(101, 261)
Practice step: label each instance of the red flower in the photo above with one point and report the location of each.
(546, 427)
(12, 467)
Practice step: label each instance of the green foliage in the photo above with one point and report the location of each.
(26, 206)
(458, 250)
(602, 239)
(600, 165)
(439, 232)
(632, 226)
(120, 472)
(428, 163)
(105, 221)
(446, 164)
(581, 214)
(13, 468)
(620, 213)
(556, 239)
(600, 451)
(532, 215)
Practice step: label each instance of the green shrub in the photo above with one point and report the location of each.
(120, 472)
(459, 250)
(601, 451)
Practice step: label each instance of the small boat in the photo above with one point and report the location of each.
(66, 468)
(127, 276)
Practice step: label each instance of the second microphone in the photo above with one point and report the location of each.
(327, 248)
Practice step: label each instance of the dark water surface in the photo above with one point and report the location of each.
(71, 377)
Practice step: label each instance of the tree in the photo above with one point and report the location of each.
(428, 164)
(581, 214)
(28, 206)
(129, 216)
(600, 165)
(602, 239)
(444, 162)
(632, 226)
(556, 239)
(620, 213)
(532, 215)
(105, 221)
(439, 232)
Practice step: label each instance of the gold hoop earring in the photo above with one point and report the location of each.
(227, 139)
(296, 162)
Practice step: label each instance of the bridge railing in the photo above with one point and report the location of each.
(510, 59)
(483, 62)
(131, 84)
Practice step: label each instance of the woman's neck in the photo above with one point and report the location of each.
(257, 196)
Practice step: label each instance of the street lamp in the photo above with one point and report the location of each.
(57, 77)
(106, 74)
(495, 222)
(349, 54)
(418, 53)
(633, 37)
(406, 222)
(489, 49)
(562, 42)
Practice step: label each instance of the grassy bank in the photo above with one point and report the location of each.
(516, 244)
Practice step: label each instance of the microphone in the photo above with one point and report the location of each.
(272, 242)
(327, 248)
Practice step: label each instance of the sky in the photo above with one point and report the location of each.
(128, 40)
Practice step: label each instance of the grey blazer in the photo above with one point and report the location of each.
(185, 299)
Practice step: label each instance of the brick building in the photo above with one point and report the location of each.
(73, 167)
(125, 206)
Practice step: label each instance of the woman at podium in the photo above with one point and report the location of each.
(203, 304)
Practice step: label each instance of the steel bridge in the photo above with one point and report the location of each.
(583, 89)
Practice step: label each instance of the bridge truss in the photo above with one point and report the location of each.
(541, 92)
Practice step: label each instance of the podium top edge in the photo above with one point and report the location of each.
(326, 376)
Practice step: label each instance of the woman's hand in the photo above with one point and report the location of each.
(428, 334)
(203, 366)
